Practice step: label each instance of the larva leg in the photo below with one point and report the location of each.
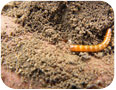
(93, 48)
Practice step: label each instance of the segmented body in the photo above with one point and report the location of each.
(93, 48)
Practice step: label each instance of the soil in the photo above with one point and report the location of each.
(35, 40)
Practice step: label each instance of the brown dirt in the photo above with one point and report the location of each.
(36, 50)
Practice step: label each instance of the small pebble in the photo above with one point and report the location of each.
(84, 56)
(99, 54)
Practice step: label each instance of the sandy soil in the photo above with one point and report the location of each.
(42, 59)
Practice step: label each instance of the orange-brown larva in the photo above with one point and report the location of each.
(93, 48)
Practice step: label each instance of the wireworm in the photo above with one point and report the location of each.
(93, 48)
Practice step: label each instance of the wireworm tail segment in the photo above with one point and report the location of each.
(93, 48)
